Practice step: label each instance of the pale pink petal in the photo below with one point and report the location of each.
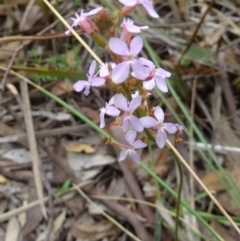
(97, 81)
(112, 111)
(170, 128)
(147, 63)
(111, 101)
(121, 102)
(92, 68)
(136, 45)
(125, 124)
(123, 154)
(131, 136)
(87, 90)
(159, 114)
(135, 103)
(80, 85)
(121, 72)
(133, 28)
(128, 2)
(163, 73)
(138, 69)
(136, 123)
(148, 5)
(149, 84)
(118, 46)
(103, 72)
(102, 121)
(135, 156)
(143, 27)
(148, 121)
(92, 12)
(161, 138)
(161, 83)
(139, 144)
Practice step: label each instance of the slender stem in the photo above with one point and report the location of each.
(178, 205)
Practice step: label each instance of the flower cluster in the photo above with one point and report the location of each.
(127, 73)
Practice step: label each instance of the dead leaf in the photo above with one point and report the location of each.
(62, 87)
(90, 113)
(58, 224)
(83, 228)
(76, 146)
(7, 50)
(212, 182)
(2, 179)
(223, 232)
(34, 215)
(12, 230)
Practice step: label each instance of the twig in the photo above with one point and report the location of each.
(85, 45)
(195, 32)
(105, 214)
(176, 153)
(32, 144)
(45, 133)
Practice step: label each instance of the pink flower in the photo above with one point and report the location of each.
(92, 80)
(129, 27)
(150, 122)
(147, 4)
(121, 72)
(84, 22)
(106, 69)
(155, 76)
(129, 107)
(108, 109)
(130, 137)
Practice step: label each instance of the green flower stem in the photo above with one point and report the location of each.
(179, 166)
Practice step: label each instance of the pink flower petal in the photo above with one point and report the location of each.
(118, 46)
(159, 114)
(131, 136)
(133, 28)
(149, 84)
(136, 123)
(161, 138)
(94, 11)
(147, 63)
(121, 102)
(138, 69)
(136, 45)
(139, 144)
(128, 2)
(97, 81)
(87, 90)
(111, 101)
(135, 103)
(121, 72)
(135, 156)
(80, 85)
(148, 121)
(148, 5)
(170, 128)
(125, 124)
(123, 154)
(161, 83)
(112, 111)
(102, 121)
(163, 73)
(92, 68)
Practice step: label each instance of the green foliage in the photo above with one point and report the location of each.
(64, 188)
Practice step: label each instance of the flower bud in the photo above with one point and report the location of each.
(104, 20)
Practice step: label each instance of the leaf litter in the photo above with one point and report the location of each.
(84, 152)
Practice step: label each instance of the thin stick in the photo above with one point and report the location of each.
(105, 214)
(203, 186)
(85, 45)
(32, 144)
(195, 32)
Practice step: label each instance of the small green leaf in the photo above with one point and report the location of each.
(63, 189)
